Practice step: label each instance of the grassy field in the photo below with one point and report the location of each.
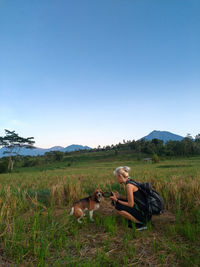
(36, 229)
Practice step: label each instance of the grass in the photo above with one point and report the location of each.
(36, 229)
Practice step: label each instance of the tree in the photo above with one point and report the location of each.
(13, 143)
(54, 156)
(189, 136)
(133, 145)
(155, 158)
(188, 145)
(197, 138)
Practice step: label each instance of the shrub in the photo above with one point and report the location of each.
(3, 167)
(31, 162)
(155, 158)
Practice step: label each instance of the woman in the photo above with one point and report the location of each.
(127, 208)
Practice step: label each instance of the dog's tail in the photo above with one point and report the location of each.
(72, 211)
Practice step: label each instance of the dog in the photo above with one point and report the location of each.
(90, 203)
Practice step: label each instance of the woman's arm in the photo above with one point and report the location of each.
(129, 190)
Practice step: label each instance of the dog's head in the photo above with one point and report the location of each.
(98, 194)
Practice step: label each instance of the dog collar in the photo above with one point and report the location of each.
(97, 200)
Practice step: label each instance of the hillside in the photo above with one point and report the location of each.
(163, 135)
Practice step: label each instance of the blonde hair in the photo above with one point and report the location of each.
(122, 170)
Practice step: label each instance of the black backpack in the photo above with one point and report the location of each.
(154, 202)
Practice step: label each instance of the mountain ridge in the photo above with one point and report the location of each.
(162, 135)
(41, 151)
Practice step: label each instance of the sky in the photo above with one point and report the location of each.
(99, 72)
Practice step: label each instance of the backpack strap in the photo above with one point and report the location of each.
(130, 181)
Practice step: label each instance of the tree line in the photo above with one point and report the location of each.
(13, 143)
(186, 147)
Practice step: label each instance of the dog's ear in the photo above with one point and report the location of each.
(96, 191)
(101, 192)
(93, 196)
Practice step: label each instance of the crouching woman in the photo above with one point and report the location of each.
(127, 207)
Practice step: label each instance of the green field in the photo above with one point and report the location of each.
(36, 229)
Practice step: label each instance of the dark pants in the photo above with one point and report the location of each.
(134, 211)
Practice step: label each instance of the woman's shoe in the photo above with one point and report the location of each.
(140, 226)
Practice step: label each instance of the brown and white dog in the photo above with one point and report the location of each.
(90, 204)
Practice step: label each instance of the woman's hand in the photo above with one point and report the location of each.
(114, 197)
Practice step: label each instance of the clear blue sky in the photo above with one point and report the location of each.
(97, 72)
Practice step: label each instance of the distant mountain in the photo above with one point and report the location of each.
(41, 151)
(163, 135)
(75, 148)
(56, 148)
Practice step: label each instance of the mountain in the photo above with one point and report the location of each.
(75, 148)
(56, 148)
(41, 151)
(163, 135)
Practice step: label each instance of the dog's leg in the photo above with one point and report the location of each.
(91, 215)
(80, 216)
(84, 212)
(72, 211)
(79, 219)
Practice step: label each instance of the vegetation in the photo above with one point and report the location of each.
(13, 143)
(155, 149)
(186, 147)
(36, 229)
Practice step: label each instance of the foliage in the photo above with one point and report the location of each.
(155, 158)
(3, 165)
(13, 143)
(186, 147)
(54, 156)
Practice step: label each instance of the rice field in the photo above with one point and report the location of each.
(36, 229)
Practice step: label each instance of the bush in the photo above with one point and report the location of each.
(31, 162)
(3, 167)
(155, 158)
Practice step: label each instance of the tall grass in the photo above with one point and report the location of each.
(35, 227)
